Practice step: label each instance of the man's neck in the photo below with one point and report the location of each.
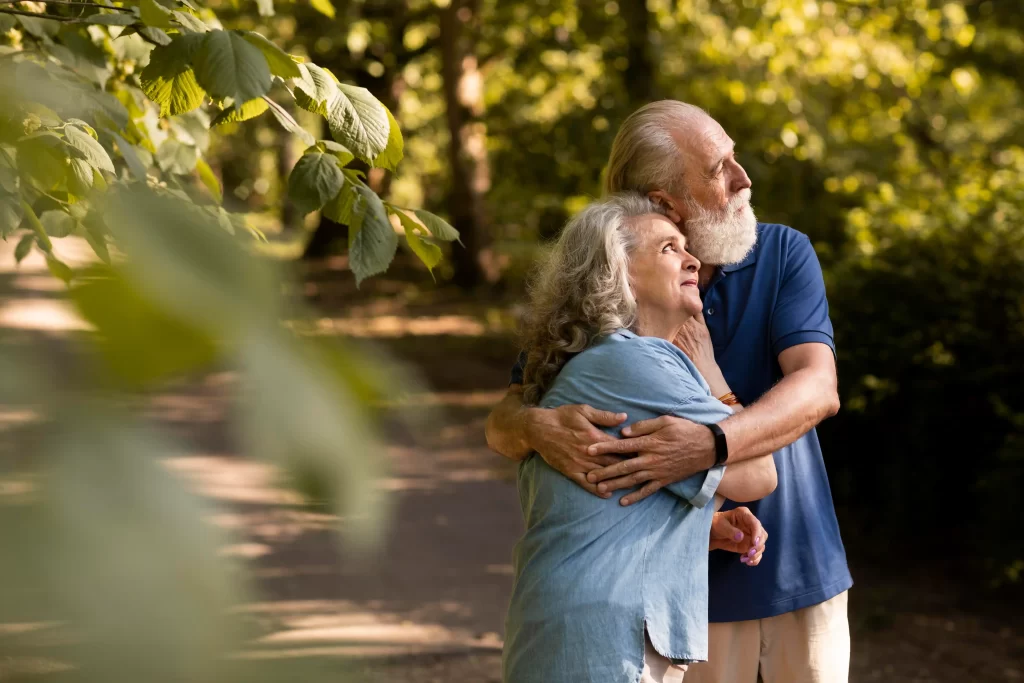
(704, 275)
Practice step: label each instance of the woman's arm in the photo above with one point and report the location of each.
(749, 480)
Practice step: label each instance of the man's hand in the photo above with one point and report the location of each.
(739, 531)
(562, 436)
(668, 449)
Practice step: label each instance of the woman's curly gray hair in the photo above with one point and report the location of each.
(582, 290)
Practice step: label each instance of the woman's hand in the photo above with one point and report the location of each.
(695, 341)
(739, 531)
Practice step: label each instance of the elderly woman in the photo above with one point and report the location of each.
(604, 592)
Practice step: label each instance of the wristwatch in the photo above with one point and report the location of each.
(721, 445)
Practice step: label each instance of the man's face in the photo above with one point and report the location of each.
(713, 203)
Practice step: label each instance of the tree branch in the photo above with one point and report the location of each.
(37, 15)
(78, 3)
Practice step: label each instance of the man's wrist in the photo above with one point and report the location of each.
(527, 423)
(707, 449)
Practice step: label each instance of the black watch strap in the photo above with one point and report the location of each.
(721, 445)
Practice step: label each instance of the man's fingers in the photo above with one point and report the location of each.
(618, 446)
(599, 461)
(649, 488)
(581, 479)
(619, 469)
(644, 427)
(626, 482)
(602, 417)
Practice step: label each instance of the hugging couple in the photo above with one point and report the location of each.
(677, 358)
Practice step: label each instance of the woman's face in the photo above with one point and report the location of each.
(663, 273)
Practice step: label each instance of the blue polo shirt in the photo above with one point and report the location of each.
(755, 310)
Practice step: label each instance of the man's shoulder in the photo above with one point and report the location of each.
(777, 237)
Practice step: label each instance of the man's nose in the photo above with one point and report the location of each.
(740, 180)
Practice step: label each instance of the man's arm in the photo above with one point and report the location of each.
(560, 435)
(670, 448)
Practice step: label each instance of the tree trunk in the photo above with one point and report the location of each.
(639, 75)
(467, 148)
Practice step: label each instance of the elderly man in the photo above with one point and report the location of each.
(766, 321)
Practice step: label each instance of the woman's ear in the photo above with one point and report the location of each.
(662, 199)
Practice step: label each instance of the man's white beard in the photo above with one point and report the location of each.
(722, 237)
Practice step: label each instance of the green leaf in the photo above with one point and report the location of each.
(265, 8)
(24, 246)
(227, 65)
(248, 110)
(80, 177)
(59, 269)
(175, 157)
(395, 150)
(57, 223)
(323, 7)
(33, 222)
(427, 252)
(130, 156)
(358, 121)
(337, 149)
(210, 180)
(314, 89)
(438, 227)
(155, 14)
(141, 342)
(168, 79)
(280, 63)
(10, 216)
(155, 35)
(340, 208)
(44, 159)
(112, 19)
(287, 122)
(375, 242)
(315, 179)
(190, 22)
(87, 145)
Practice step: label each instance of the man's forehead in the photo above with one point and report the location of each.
(704, 137)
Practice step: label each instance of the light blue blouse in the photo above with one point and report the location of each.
(590, 573)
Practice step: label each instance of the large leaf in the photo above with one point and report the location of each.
(130, 156)
(91, 149)
(248, 110)
(57, 223)
(340, 208)
(140, 342)
(395, 150)
(168, 79)
(228, 66)
(375, 242)
(10, 216)
(337, 149)
(358, 121)
(314, 181)
(438, 228)
(80, 177)
(280, 63)
(44, 159)
(190, 22)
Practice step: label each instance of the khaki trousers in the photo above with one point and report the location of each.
(811, 645)
(658, 669)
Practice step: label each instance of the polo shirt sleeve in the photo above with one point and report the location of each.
(801, 309)
(517, 369)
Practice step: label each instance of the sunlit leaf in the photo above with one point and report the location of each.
(190, 22)
(209, 179)
(430, 254)
(340, 208)
(323, 7)
(337, 149)
(395, 149)
(130, 156)
(314, 89)
(358, 121)
(80, 177)
(315, 179)
(155, 14)
(57, 223)
(228, 66)
(280, 63)
(168, 79)
(176, 157)
(288, 122)
(248, 110)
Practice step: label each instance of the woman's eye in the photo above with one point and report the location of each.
(668, 247)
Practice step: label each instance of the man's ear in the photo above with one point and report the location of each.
(662, 199)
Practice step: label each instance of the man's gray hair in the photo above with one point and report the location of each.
(645, 155)
(582, 290)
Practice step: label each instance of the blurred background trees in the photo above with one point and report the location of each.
(889, 131)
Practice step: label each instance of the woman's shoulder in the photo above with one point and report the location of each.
(625, 356)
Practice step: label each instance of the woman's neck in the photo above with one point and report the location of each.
(662, 326)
